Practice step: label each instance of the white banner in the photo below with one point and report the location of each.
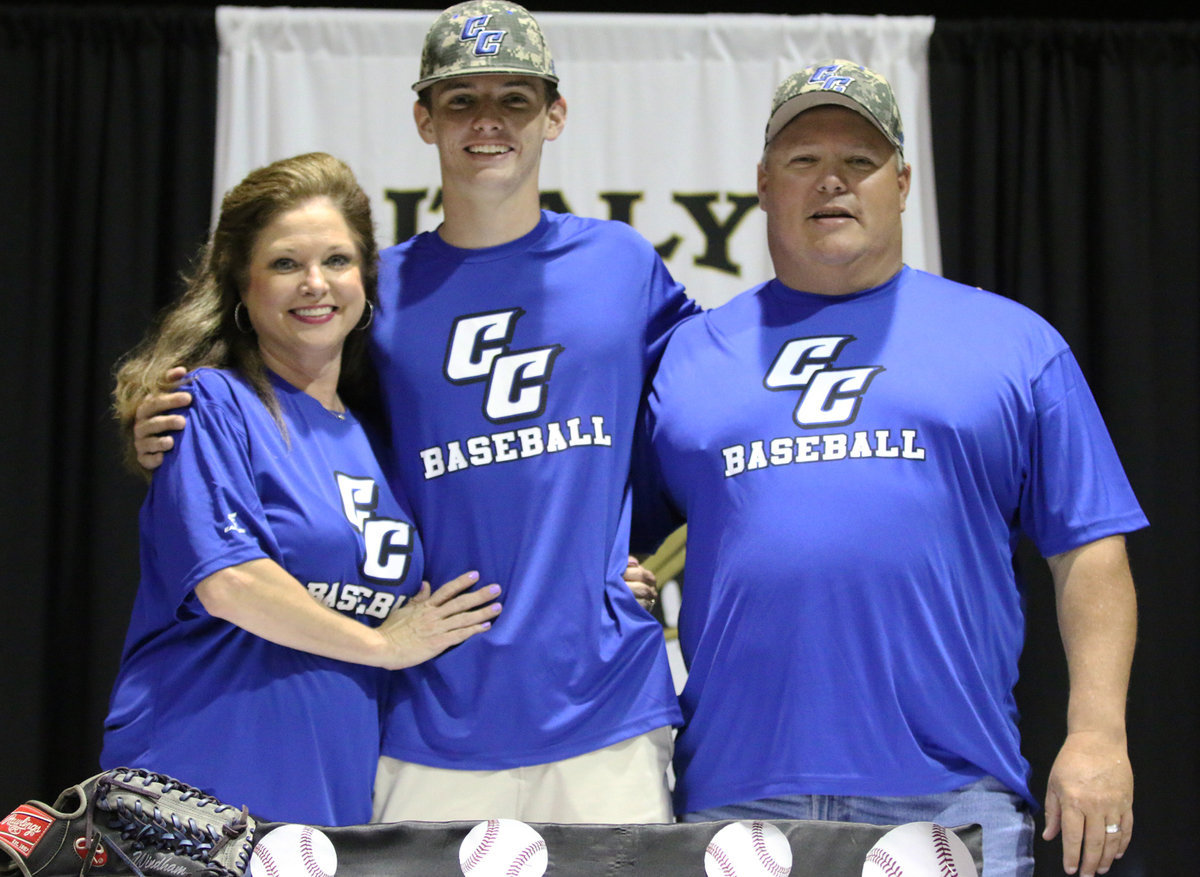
(664, 127)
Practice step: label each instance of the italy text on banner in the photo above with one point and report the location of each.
(664, 129)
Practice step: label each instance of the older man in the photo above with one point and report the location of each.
(857, 447)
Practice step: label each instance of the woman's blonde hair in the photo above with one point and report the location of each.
(200, 328)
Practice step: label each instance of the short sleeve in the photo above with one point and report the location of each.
(202, 512)
(1077, 490)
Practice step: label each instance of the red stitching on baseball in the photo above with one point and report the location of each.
(308, 855)
(765, 858)
(722, 860)
(523, 858)
(485, 845)
(945, 855)
(885, 862)
(268, 862)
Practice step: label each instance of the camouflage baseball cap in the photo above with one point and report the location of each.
(484, 36)
(843, 83)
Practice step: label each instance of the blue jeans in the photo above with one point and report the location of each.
(1004, 815)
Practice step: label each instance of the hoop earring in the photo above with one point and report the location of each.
(237, 314)
(370, 317)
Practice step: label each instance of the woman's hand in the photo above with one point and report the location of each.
(431, 622)
(261, 597)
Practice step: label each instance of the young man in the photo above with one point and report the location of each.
(856, 447)
(513, 346)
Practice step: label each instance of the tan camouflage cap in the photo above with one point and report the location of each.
(840, 82)
(484, 36)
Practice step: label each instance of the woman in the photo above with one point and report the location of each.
(234, 678)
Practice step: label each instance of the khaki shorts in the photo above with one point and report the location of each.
(622, 783)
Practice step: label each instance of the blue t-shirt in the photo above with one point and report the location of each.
(293, 736)
(512, 377)
(856, 472)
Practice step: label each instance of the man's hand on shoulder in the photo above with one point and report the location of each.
(152, 427)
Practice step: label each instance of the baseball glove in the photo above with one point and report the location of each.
(128, 821)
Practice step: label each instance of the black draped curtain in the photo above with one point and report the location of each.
(107, 121)
(1068, 177)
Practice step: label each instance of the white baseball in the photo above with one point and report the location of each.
(503, 848)
(748, 849)
(294, 851)
(919, 849)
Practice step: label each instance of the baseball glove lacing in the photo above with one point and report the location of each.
(131, 821)
(168, 832)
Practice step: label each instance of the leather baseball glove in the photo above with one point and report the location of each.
(128, 821)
